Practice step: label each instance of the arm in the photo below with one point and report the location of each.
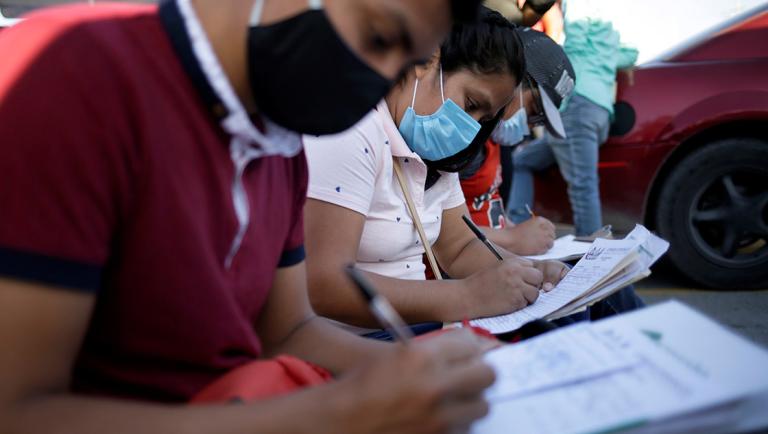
(439, 382)
(553, 23)
(626, 57)
(332, 240)
(288, 325)
(486, 286)
(45, 326)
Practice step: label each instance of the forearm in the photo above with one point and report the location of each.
(320, 409)
(312, 340)
(416, 301)
(500, 237)
(473, 257)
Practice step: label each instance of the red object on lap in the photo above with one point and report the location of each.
(263, 379)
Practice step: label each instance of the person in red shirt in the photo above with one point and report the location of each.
(151, 233)
(548, 68)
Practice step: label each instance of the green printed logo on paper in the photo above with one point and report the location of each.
(654, 336)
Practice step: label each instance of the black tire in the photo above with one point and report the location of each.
(713, 209)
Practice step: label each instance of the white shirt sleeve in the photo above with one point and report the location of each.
(456, 196)
(343, 167)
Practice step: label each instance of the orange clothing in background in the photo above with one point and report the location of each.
(481, 190)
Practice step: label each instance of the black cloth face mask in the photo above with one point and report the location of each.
(304, 77)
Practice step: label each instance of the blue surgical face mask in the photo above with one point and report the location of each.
(442, 134)
(513, 130)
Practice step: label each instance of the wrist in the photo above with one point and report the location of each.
(510, 238)
(342, 412)
(462, 297)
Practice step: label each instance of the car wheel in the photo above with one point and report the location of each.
(713, 209)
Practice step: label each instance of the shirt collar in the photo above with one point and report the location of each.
(198, 59)
(396, 142)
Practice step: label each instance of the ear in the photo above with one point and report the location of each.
(424, 68)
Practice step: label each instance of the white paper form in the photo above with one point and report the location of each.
(720, 363)
(650, 251)
(677, 376)
(608, 399)
(603, 258)
(565, 249)
(554, 359)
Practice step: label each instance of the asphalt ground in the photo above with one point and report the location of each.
(745, 312)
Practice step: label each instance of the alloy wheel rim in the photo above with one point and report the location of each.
(728, 218)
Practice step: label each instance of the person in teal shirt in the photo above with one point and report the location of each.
(595, 50)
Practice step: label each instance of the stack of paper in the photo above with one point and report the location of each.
(608, 266)
(658, 370)
(565, 249)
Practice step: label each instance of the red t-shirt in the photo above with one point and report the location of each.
(117, 179)
(482, 190)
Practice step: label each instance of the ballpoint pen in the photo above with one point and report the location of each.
(385, 314)
(481, 236)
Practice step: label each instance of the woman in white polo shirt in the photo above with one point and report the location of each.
(356, 212)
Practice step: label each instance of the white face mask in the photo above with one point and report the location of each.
(513, 130)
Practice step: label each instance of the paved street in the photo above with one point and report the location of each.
(745, 312)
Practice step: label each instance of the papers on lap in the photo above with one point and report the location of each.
(608, 266)
(661, 369)
(564, 249)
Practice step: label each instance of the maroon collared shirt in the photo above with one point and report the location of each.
(116, 179)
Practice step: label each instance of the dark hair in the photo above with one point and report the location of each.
(465, 11)
(487, 46)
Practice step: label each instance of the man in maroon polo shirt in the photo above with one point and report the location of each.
(150, 217)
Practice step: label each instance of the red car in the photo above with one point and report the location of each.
(688, 155)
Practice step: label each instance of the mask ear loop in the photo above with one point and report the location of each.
(258, 7)
(415, 87)
(442, 93)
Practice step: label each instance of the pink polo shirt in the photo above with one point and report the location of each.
(354, 170)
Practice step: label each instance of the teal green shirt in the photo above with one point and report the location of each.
(595, 50)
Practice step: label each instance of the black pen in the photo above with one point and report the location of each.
(481, 236)
(380, 307)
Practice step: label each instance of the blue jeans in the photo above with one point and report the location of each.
(586, 126)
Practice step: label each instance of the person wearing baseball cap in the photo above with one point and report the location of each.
(548, 82)
(594, 48)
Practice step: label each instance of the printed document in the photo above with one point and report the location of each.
(661, 369)
(608, 266)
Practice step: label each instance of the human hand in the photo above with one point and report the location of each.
(433, 386)
(506, 287)
(532, 237)
(553, 272)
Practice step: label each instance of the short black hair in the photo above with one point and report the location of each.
(486, 46)
(465, 11)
